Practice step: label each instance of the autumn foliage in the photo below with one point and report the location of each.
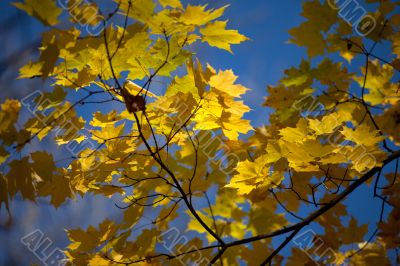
(239, 194)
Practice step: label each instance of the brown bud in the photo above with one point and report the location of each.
(133, 103)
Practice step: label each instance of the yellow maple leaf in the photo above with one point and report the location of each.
(216, 35)
(232, 125)
(185, 84)
(135, 89)
(362, 135)
(45, 10)
(381, 89)
(224, 81)
(141, 10)
(254, 174)
(306, 35)
(30, 70)
(197, 15)
(171, 3)
(296, 134)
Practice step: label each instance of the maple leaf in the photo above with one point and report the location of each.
(216, 35)
(362, 135)
(197, 15)
(171, 3)
(44, 10)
